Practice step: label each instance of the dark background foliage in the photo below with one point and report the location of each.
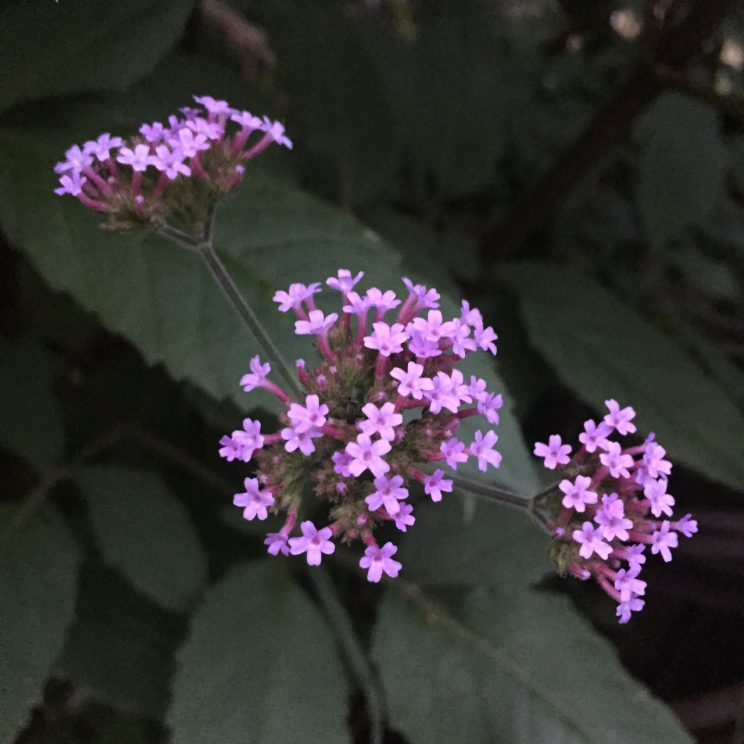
(574, 167)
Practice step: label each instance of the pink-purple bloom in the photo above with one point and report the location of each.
(611, 507)
(379, 410)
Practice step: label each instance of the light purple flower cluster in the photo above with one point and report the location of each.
(385, 397)
(613, 503)
(175, 168)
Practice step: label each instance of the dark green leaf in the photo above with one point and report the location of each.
(145, 532)
(511, 665)
(603, 349)
(30, 412)
(682, 171)
(260, 666)
(122, 645)
(38, 574)
(335, 93)
(49, 49)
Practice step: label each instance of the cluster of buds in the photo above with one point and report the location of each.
(378, 412)
(173, 170)
(612, 504)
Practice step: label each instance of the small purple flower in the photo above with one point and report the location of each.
(411, 383)
(212, 105)
(316, 324)
(656, 492)
(617, 462)
(433, 328)
(577, 494)
(591, 542)
(387, 493)
(257, 376)
(423, 297)
(687, 525)
(300, 440)
(75, 160)
(189, 142)
(624, 609)
(386, 339)
(663, 540)
(72, 184)
(293, 298)
(454, 452)
(482, 448)
(654, 462)
(314, 542)
(277, 543)
(381, 421)
(101, 147)
(246, 120)
(611, 518)
(634, 554)
(619, 419)
(383, 301)
(231, 449)
(138, 158)
(422, 347)
(594, 435)
(169, 162)
(435, 484)
(344, 282)
(153, 133)
(555, 453)
(489, 406)
(275, 130)
(254, 500)
(311, 416)
(628, 584)
(341, 460)
(485, 338)
(379, 560)
(367, 455)
(404, 518)
(356, 304)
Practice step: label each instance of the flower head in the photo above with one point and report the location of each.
(609, 507)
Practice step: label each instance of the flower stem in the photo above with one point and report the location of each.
(355, 655)
(204, 246)
(502, 496)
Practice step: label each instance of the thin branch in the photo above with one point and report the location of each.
(355, 654)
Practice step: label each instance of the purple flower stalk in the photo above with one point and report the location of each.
(384, 401)
(172, 169)
(613, 503)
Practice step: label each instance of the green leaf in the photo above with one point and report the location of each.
(512, 665)
(260, 666)
(38, 574)
(460, 92)
(683, 166)
(335, 94)
(162, 299)
(603, 349)
(145, 532)
(121, 646)
(32, 423)
(446, 549)
(49, 49)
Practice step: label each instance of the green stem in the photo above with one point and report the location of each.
(204, 246)
(508, 498)
(353, 651)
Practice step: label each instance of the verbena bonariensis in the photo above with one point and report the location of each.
(382, 406)
(610, 505)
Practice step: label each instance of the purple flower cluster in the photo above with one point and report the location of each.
(385, 397)
(173, 168)
(613, 503)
